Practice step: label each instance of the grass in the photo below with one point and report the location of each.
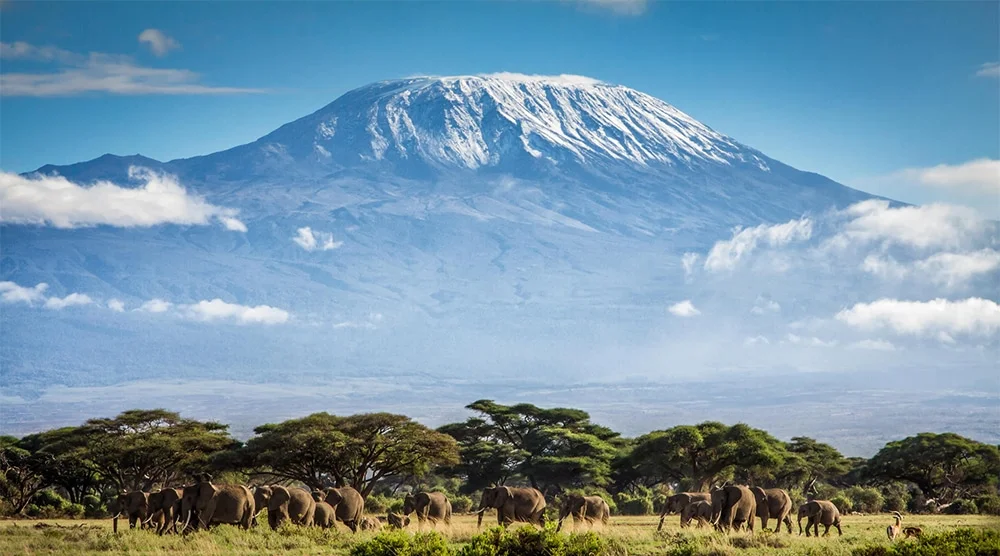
(635, 536)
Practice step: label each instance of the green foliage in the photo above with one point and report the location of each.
(704, 453)
(843, 503)
(379, 503)
(962, 507)
(461, 504)
(74, 511)
(358, 450)
(865, 499)
(49, 499)
(633, 504)
(529, 541)
(808, 462)
(93, 507)
(400, 543)
(944, 466)
(22, 474)
(557, 447)
(988, 504)
(960, 542)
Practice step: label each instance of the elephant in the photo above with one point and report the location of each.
(397, 521)
(135, 506)
(295, 505)
(325, 515)
(700, 510)
(773, 502)
(167, 504)
(733, 507)
(348, 505)
(261, 497)
(589, 509)
(820, 512)
(513, 504)
(429, 506)
(370, 523)
(212, 504)
(678, 502)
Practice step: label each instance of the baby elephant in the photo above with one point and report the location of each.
(370, 523)
(397, 521)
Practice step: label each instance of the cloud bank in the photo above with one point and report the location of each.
(726, 254)
(974, 316)
(56, 201)
(98, 72)
(218, 309)
(158, 41)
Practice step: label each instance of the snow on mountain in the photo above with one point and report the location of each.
(449, 231)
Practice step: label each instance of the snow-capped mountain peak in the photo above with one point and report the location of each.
(501, 120)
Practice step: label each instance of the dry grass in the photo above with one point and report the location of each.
(637, 534)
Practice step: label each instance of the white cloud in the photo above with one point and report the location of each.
(756, 340)
(369, 323)
(726, 254)
(940, 317)
(944, 269)
(116, 305)
(218, 309)
(311, 241)
(811, 341)
(623, 7)
(70, 300)
(56, 201)
(155, 305)
(763, 305)
(928, 226)
(13, 293)
(77, 74)
(875, 345)
(159, 42)
(684, 309)
(980, 176)
(989, 69)
(688, 261)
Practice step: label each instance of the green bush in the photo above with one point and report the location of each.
(74, 511)
(868, 500)
(989, 504)
(627, 504)
(962, 507)
(895, 503)
(461, 504)
(93, 507)
(960, 542)
(380, 504)
(529, 541)
(400, 543)
(49, 499)
(843, 503)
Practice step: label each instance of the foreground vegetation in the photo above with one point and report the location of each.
(863, 536)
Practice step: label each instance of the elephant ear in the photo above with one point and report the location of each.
(503, 494)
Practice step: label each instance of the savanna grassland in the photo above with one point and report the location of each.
(634, 535)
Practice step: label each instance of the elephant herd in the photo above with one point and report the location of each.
(204, 504)
(731, 507)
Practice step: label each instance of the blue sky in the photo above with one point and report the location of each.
(870, 94)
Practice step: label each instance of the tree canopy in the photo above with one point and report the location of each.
(546, 448)
(323, 450)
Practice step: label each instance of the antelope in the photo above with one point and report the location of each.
(894, 530)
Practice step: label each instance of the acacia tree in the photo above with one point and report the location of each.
(700, 455)
(548, 448)
(140, 448)
(944, 466)
(806, 463)
(323, 450)
(21, 474)
(68, 466)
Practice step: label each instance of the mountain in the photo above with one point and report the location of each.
(503, 236)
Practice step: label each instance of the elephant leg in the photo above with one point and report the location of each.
(840, 533)
(826, 530)
(788, 523)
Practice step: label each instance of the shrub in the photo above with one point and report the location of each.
(461, 504)
(400, 543)
(962, 507)
(842, 502)
(49, 499)
(960, 542)
(379, 504)
(93, 508)
(528, 541)
(868, 500)
(627, 504)
(74, 511)
(895, 503)
(989, 504)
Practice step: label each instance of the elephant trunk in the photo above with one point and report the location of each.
(114, 524)
(479, 522)
(660, 526)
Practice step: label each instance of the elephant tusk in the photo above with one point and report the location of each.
(186, 522)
